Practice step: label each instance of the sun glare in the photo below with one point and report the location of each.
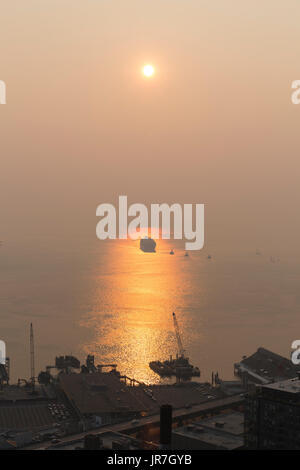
(148, 70)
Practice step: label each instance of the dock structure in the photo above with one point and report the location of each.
(264, 367)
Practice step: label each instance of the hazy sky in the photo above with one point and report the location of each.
(215, 125)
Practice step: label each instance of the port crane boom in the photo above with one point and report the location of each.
(179, 367)
(32, 368)
(179, 342)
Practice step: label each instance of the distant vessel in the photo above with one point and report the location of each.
(172, 252)
(179, 367)
(147, 245)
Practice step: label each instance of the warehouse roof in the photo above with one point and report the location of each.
(99, 393)
(266, 366)
(106, 393)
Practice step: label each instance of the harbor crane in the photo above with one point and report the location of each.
(179, 342)
(32, 368)
(32, 381)
(179, 367)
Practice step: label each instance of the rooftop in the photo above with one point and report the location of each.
(99, 393)
(25, 416)
(106, 393)
(108, 440)
(231, 423)
(290, 386)
(265, 366)
(210, 436)
(13, 393)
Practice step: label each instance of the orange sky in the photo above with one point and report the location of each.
(215, 125)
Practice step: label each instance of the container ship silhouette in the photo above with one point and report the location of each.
(147, 245)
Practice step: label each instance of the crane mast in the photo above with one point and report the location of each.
(179, 342)
(32, 369)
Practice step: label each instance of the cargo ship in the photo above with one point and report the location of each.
(147, 245)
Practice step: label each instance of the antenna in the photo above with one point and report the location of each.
(32, 369)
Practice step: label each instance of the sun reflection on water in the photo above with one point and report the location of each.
(134, 296)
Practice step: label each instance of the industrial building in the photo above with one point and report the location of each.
(20, 409)
(264, 367)
(272, 416)
(109, 440)
(101, 394)
(108, 397)
(222, 432)
(15, 439)
(72, 398)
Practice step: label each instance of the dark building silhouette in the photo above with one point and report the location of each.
(272, 416)
(264, 367)
(219, 432)
(92, 442)
(165, 426)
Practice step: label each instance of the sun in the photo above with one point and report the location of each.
(148, 70)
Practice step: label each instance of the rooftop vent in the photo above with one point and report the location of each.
(219, 424)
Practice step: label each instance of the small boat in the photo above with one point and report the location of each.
(172, 252)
